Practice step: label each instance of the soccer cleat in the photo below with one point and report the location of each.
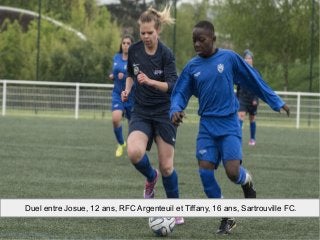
(252, 142)
(120, 148)
(226, 225)
(149, 186)
(248, 188)
(179, 220)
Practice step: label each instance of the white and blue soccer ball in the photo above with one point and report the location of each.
(162, 226)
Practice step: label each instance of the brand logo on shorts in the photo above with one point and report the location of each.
(220, 68)
(202, 151)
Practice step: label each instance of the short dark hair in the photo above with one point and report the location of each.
(205, 25)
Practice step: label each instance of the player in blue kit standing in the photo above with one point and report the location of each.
(210, 76)
(152, 70)
(119, 108)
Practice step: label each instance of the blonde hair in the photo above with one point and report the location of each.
(158, 17)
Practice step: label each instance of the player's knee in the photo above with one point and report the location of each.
(134, 154)
(232, 174)
(166, 170)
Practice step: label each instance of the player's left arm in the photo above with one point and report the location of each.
(250, 79)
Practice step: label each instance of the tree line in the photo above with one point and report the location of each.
(283, 35)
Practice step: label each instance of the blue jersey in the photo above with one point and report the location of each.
(119, 66)
(161, 67)
(212, 81)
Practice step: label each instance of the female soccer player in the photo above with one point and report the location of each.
(248, 103)
(119, 108)
(211, 76)
(152, 70)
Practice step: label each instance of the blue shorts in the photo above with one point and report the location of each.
(154, 126)
(219, 139)
(125, 107)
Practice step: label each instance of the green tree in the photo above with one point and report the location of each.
(277, 31)
(63, 55)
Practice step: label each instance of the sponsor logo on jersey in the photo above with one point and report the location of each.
(197, 74)
(157, 72)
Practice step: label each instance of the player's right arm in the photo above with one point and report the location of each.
(180, 96)
(126, 92)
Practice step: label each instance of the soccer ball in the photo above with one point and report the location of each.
(162, 226)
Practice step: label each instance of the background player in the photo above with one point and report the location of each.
(119, 108)
(248, 103)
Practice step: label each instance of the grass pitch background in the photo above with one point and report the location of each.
(66, 158)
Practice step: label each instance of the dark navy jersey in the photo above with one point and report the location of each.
(245, 96)
(161, 67)
(212, 81)
(119, 66)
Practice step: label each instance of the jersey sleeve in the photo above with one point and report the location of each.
(170, 71)
(130, 72)
(114, 59)
(182, 92)
(249, 78)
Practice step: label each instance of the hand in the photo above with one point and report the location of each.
(120, 75)
(286, 108)
(142, 78)
(111, 76)
(177, 118)
(124, 95)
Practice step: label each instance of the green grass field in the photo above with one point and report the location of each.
(66, 158)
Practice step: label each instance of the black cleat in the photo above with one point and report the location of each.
(226, 225)
(248, 189)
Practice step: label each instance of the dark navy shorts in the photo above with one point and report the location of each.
(153, 126)
(248, 108)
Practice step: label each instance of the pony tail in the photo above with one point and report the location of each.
(164, 16)
(159, 17)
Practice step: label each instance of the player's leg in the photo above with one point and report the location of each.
(241, 115)
(117, 112)
(242, 112)
(169, 175)
(139, 135)
(253, 125)
(165, 140)
(117, 129)
(208, 160)
(231, 155)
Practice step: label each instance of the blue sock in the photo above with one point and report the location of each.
(118, 133)
(145, 168)
(242, 176)
(253, 130)
(170, 184)
(241, 123)
(210, 185)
